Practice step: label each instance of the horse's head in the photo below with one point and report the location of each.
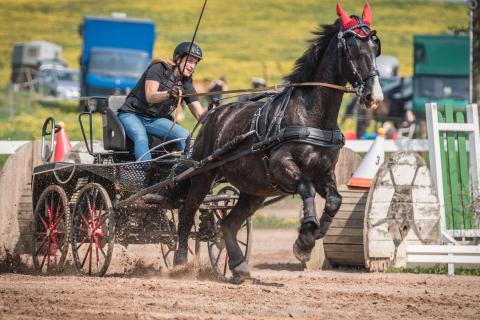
(358, 47)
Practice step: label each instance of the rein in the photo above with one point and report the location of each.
(276, 87)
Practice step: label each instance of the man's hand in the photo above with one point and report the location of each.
(175, 91)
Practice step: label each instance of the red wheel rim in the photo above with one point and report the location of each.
(50, 230)
(92, 241)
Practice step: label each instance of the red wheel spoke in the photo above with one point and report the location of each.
(47, 253)
(90, 258)
(81, 243)
(48, 258)
(92, 215)
(96, 251)
(100, 214)
(57, 221)
(57, 213)
(41, 245)
(101, 249)
(54, 240)
(86, 255)
(100, 225)
(43, 260)
(85, 221)
(50, 211)
(43, 222)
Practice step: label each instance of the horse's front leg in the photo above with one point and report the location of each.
(327, 188)
(305, 242)
(231, 224)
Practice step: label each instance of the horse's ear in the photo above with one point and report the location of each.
(344, 18)
(367, 15)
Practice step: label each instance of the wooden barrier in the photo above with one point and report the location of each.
(348, 162)
(16, 199)
(373, 227)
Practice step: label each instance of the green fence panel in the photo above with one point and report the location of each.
(464, 178)
(445, 176)
(453, 170)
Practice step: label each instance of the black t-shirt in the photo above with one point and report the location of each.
(136, 101)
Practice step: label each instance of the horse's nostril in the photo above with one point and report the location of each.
(368, 97)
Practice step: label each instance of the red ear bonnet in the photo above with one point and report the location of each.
(367, 15)
(346, 21)
(349, 22)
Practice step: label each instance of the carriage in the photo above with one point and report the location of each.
(76, 204)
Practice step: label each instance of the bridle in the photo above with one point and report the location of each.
(347, 38)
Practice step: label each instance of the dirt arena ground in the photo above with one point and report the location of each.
(135, 288)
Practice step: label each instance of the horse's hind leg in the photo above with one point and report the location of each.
(327, 188)
(306, 237)
(199, 188)
(245, 207)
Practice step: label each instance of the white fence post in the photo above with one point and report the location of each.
(474, 151)
(435, 158)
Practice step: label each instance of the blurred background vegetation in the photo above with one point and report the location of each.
(240, 39)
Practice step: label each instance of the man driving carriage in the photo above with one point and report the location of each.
(149, 106)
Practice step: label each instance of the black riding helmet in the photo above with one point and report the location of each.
(183, 49)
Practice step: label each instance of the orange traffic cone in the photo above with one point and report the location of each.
(63, 145)
(363, 176)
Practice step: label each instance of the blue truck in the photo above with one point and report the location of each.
(115, 52)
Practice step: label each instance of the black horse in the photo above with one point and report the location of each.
(342, 52)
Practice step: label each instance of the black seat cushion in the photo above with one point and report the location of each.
(114, 137)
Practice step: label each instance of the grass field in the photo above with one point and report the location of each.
(240, 39)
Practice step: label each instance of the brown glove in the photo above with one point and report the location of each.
(175, 91)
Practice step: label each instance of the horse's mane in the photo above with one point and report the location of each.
(306, 66)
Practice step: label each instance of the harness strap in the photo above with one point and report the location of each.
(324, 138)
(274, 127)
(276, 87)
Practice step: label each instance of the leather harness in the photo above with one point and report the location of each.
(271, 135)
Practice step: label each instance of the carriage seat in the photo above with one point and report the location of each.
(114, 136)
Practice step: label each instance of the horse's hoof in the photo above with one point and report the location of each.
(240, 273)
(319, 234)
(179, 259)
(302, 255)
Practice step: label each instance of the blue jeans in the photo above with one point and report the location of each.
(138, 128)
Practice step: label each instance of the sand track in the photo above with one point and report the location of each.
(279, 290)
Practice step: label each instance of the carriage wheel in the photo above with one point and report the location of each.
(51, 230)
(168, 248)
(217, 251)
(93, 230)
